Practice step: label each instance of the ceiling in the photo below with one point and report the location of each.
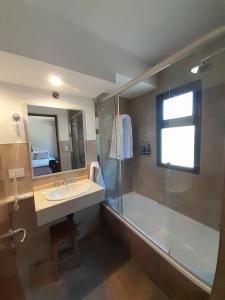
(100, 38)
(149, 29)
(23, 71)
(31, 73)
(139, 89)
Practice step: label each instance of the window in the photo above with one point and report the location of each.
(178, 128)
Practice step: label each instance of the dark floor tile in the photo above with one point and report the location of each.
(106, 273)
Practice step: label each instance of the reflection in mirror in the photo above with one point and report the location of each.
(56, 139)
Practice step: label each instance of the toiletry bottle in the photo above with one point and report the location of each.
(148, 148)
(142, 146)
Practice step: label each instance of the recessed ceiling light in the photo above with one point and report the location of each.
(55, 80)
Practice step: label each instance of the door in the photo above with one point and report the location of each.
(108, 112)
(77, 136)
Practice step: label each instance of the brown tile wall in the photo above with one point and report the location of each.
(162, 273)
(37, 245)
(197, 196)
(91, 151)
(218, 291)
(9, 154)
(15, 156)
(65, 156)
(10, 281)
(2, 186)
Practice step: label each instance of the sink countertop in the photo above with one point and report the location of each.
(48, 211)
(42, 203)
(20, 197)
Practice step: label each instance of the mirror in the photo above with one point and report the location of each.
(56, 139)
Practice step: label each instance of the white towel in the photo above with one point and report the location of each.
(96, 174)
(122, 138)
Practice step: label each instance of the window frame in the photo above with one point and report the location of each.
(195, 119)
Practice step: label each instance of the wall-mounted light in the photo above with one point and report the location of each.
(55, 80)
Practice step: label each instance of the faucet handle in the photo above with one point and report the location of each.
(71, 180)
(58, 182)
(65, 180)
(12, 232)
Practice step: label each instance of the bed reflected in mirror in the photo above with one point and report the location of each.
(56, 140)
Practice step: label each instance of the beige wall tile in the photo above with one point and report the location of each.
(197, 196)
(37, 244)
(218, 292)
(17, 156)
(91, 151)
(65, 156)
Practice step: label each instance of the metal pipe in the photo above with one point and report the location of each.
(169, 61)
(212, 55)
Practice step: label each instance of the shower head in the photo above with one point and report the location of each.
(202, 67)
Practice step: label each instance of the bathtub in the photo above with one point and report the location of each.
(190, 246)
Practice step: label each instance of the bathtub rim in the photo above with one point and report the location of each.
(206, 288)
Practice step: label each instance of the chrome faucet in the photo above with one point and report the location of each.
(68, 180)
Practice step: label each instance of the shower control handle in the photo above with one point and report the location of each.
(12, 232)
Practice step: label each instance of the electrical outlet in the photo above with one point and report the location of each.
(18, 173)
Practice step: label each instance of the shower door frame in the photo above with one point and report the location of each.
(218, 286)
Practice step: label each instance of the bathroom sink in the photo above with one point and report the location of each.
(55, 203)
(68, 191)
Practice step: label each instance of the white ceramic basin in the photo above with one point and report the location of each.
(68, 191)
(55, 203)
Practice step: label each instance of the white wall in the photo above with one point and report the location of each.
(15, 99)
(42, 134)
(62, 116)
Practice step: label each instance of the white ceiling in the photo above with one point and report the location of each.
(149, 29)
(27, 72)
(139, 89)
(103, 37)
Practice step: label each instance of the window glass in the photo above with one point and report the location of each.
(178, 146)
(178, 106)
